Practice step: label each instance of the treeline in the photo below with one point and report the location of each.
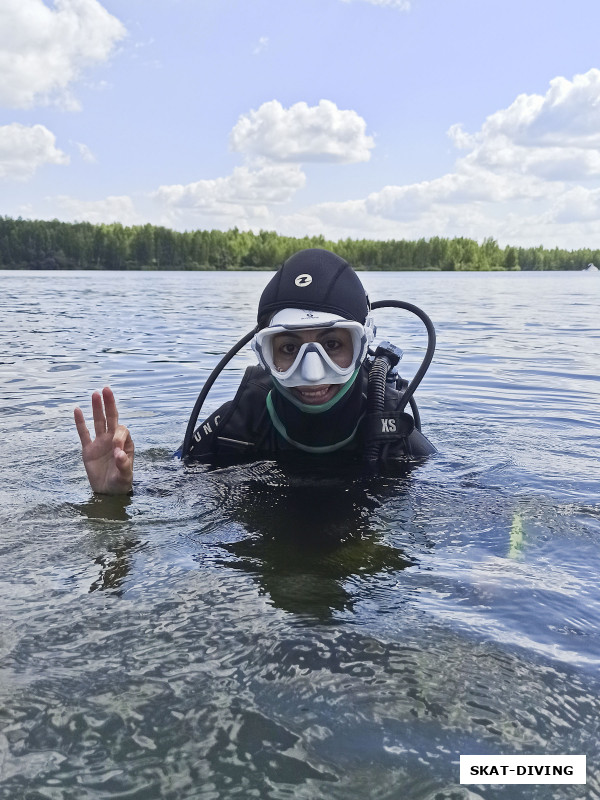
(38, 244)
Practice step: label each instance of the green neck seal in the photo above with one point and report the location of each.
(280, 428)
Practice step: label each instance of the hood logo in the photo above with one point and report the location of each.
(303, 280)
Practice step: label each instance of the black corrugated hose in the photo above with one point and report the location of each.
(383, 362)
(185, 449)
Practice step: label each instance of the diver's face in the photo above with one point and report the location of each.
(336, 342)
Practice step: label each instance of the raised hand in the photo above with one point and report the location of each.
(108, 460)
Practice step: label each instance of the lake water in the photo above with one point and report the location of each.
(247, 633)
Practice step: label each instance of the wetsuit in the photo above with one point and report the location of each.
(262, 422)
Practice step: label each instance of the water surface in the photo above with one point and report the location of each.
(251, 632)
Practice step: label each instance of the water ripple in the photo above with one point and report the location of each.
(262, 632)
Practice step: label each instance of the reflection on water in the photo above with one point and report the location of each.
(305, 536)
(267, 631)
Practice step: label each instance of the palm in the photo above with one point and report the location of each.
(108, 459)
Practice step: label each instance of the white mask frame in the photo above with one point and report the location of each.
(312, 365)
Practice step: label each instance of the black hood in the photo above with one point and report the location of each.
(317, 280)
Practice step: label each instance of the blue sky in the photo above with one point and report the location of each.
(363, 118)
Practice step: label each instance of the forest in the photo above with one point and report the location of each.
(42, 244)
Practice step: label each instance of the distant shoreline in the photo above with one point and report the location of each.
(67, 246)
(165, 270)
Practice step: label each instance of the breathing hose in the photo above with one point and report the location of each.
(207, 387)
(376, 398)
(387, 356)
(418, 377)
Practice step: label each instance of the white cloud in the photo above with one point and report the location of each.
(302, 134)
(567, 115)
(43, 50)
(110, 209)
(261, 45)
(85, 153)
(530, 175)
(23, 149)
(461, 139)
(463, 187)
(554, 137)
(274, 141)
(575, 206)
(273, 184)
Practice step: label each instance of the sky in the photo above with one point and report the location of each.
(381, 119)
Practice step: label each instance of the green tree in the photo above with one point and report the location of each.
(511, 259)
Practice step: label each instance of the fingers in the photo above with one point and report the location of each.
(84, 434)
(110, 409)
(123, 449)
(122, 439)
(98, 411)
(123, 465)
(106, 417)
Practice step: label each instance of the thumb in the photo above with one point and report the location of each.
(122, 461)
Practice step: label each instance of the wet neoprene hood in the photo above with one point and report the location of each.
(317, 280)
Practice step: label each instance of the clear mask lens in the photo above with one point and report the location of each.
(312, 364)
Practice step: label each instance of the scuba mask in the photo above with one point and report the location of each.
(312, 362)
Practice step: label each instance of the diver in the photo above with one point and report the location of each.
(318, 391)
